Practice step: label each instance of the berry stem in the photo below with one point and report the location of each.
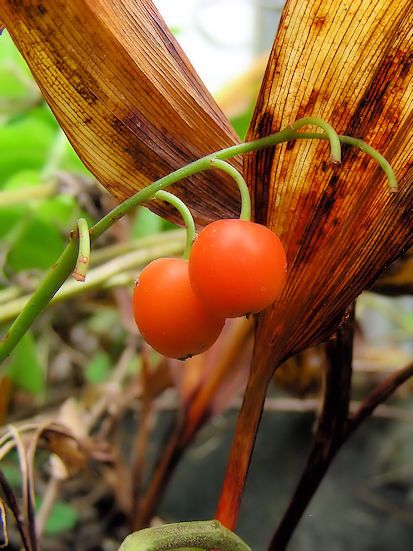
(186, 215)
(61, 270)
(83, 257)
(241, 183)
(363, 146)
(330, 134)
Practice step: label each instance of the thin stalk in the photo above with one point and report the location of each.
(105, 275)
(16, 196)
(83, 257)
(245, 213)
(204, 163)
(330, 134)
(186, 215)
(59, 272)
(47, 288)
(363, 146)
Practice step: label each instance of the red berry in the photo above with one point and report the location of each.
(237, 267)
(169, 315)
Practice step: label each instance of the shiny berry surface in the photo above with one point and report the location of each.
(237, 267)
(169, 315)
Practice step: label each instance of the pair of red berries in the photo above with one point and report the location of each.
(236, 267)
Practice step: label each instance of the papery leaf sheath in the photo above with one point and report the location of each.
(125, 95)
(348, 62)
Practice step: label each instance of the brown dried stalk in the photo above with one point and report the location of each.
(334, 428)
(329, 431)
(15, 509)
(198, 408)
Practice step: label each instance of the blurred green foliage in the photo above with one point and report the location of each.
(36, 211)
(32, 150)
(25, 369)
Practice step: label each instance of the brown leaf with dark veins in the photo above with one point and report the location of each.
(125, 95)
(349, 62)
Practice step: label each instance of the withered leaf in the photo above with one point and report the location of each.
(348, 62)
(125, 95)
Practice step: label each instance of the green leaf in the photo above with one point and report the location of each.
(24, 367)
(10, 218)
(15, 76)
(61, 211)
(146, 223)
(71, 162)
(36, 245)
(23, 179)
(12, 473)
(98, 368)
(242, 122)
(63, 518)
(24, 144)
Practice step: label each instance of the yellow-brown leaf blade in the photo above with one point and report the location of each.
(349, 63)
(124, 93)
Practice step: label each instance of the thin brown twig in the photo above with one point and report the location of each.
(330, 427)
(323, 452)
(377, 396)
(27, 487)
(141, 440)
(15, 509)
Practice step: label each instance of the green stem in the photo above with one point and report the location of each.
(114, 273)
(207, 534)
(186, 215)
(47, 288)
(55, 277)
(330, 134)
(363, 146)
(241, 183)
(83, 257)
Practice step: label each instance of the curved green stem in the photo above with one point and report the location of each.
(186, 215)
(331, 135)
(241, 183)
(206, 534)
(55, 277)
(46, 290)
(83, 257)
(366, 148)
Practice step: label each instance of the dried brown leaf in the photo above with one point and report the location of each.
(125, 95)
(349, 63)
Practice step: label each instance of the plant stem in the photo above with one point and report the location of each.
(206, 534)
(105, 275)
(47, 288)
(363, 146)
(204, 163)
(330, 134)
(328, 434)
(59, 272)
(83, 257)
(186, 215)
(245, 213)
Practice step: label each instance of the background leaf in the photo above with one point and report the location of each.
(24, 367)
